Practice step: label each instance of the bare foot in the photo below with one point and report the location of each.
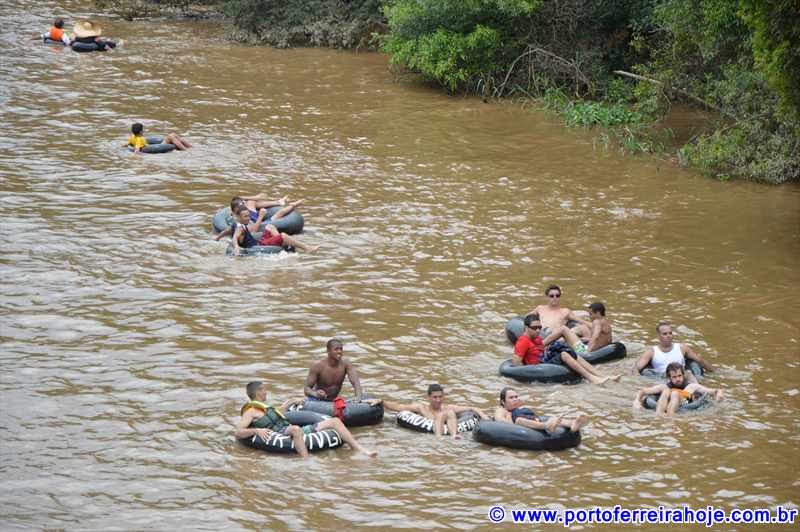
(553, 423)
(615, 378)
(369, 453)
(456, 436)
(297, 203)
(282, 201)
(579, 422)
(600, 380)
(312, 249)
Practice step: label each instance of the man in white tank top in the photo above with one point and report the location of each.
(661, 355)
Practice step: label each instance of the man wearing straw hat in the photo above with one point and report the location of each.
(88, 32)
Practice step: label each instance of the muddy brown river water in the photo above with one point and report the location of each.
(128, 336)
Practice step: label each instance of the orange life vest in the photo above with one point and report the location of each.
(56, 34)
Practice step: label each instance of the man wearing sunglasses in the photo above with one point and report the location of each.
(529, 349)
(554, 316)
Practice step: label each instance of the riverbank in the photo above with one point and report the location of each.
(617, 69)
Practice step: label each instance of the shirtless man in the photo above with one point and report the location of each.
(600, 335)
(661, 355)
(553, 315)
(436, 410)
(325, 378)
(260, 419)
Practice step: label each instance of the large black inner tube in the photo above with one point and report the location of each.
(411, 420)
(291, 224)
(156, 144)
(355, 414)
(283, 443)
(91, 46)
(650, 402)
(550, 373)
(48, 40)
(518, 437)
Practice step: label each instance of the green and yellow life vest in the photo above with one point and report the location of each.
(272, 419)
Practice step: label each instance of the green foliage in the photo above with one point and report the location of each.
(282, 23)
(776, 46)
(457, 43)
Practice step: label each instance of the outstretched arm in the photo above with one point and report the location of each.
(691, 355)
(695, 387)
(311, 381)
(411, 407)
(352, 374)
(641, 394)
(223, 234)
(643, 361)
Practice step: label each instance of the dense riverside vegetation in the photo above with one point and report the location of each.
(614, 65)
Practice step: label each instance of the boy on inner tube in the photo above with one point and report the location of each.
(666, 352)
(512, 411)
(57, 33)
(436, 410)
(675, 392)
(529, 350)
(242, 238)
(262, 420)
(260, 201)
(137, 141)
(325, 378)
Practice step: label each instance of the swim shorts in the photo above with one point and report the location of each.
(269, 240)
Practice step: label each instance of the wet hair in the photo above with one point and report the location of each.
(239, 208)
(137, 128)
(552, 287)
(252, 388)
(661, 324)
(530, 318)
(235, 201)
(333, 342)
(503, 393)
(58, 23)
(674, 366)
(598, 307)
(435, 388)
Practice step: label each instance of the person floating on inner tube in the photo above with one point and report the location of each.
(260, 201)
(57, 33)
(600, 335)
(260, 419)
(666, 352)
(243, 238)
(257, 217)
(529, 350)
(325, 378)
(675, 392)
(437, 411)
(137, 141)
(553, 315)
(89, 32)
(511, 410)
